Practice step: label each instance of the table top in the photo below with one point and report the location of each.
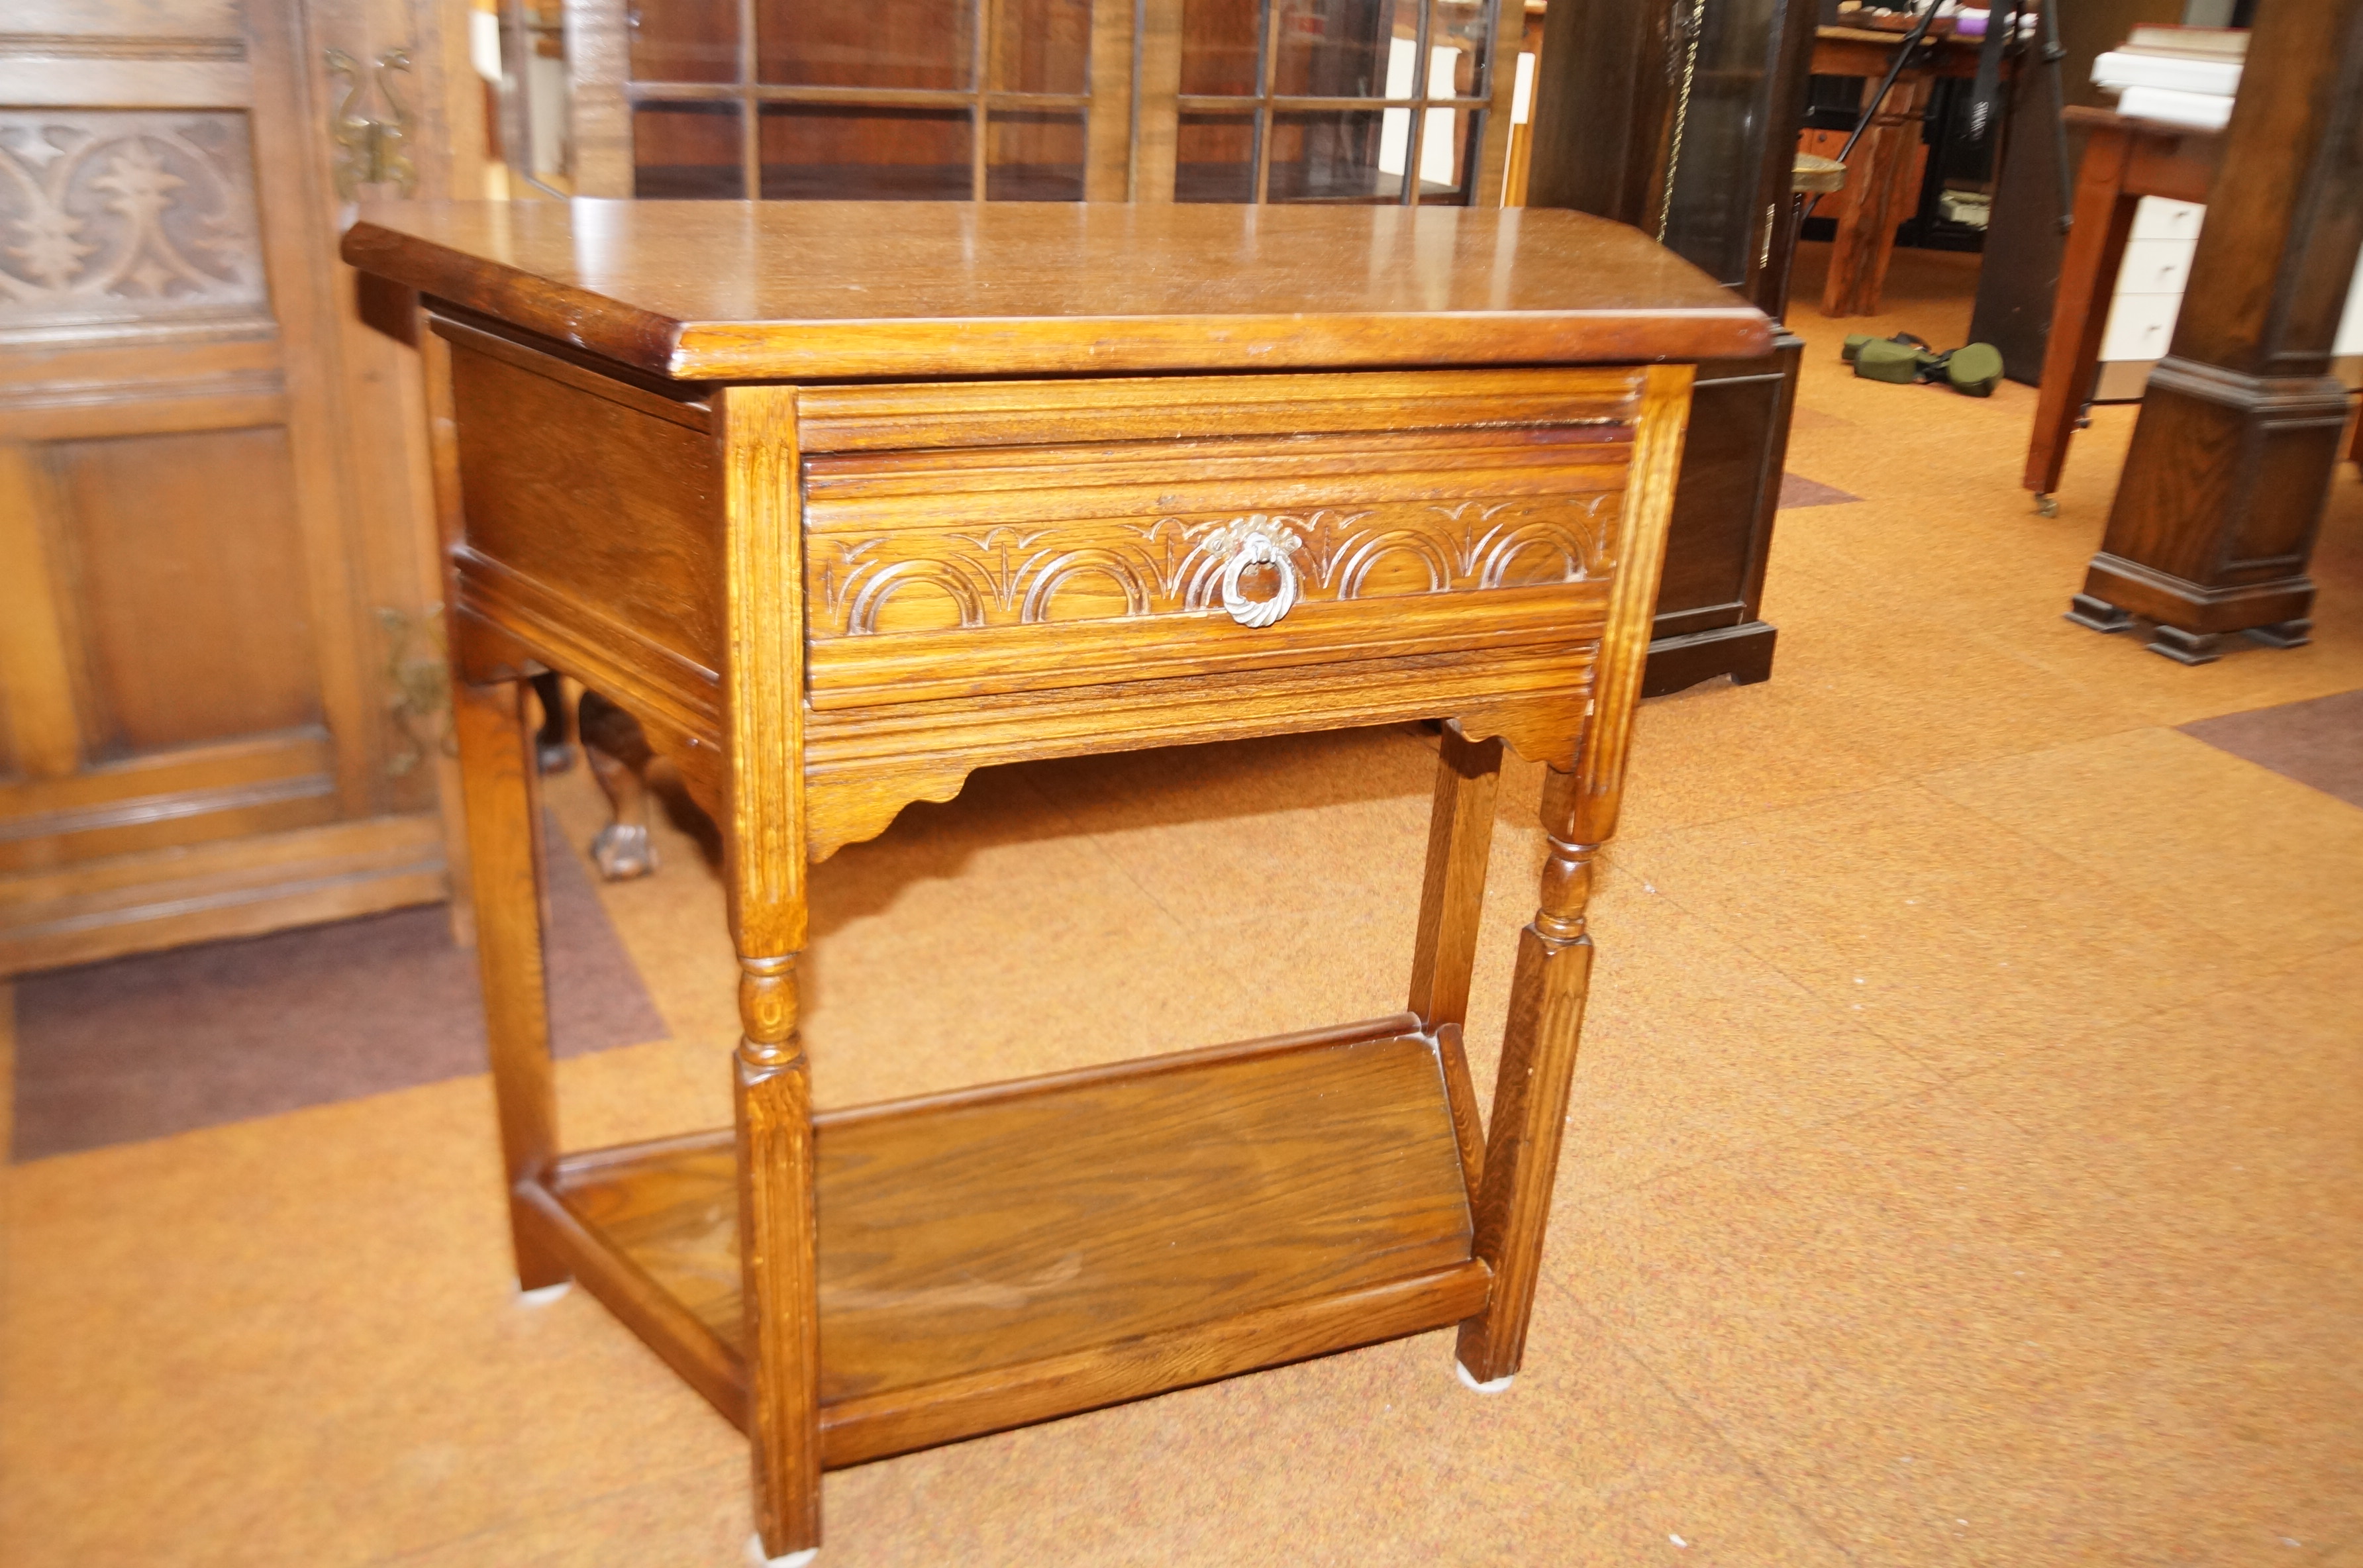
(738, 291)
(1895, 36)
(1842, 51)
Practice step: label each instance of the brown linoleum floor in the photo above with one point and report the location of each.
(1966, 1165)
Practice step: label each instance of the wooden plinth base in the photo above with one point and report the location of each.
(1743, 652)
(2179, 644)
(2223, 488)
(2099, 614)
(1004, 1255)
(2128, 587)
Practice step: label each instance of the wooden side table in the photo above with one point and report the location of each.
(843, 502)
(1879, 180)
(2125, 160)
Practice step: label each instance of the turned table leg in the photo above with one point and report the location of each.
(1530, 1093)
(500, 782)
(764, 851)
(778, 1253)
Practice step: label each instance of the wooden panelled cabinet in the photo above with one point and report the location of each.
(843, 500)
(1679, 118)
(219, 652)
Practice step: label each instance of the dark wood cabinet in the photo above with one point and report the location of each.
(2229, 470)
(1679, 118)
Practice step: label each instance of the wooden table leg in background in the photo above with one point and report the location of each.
(1459, 835)
(1879, 176)
(1451, 903)
(2079, 312)
(501, 781)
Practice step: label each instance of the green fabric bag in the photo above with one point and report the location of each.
(1974, 370)
(1887, 361)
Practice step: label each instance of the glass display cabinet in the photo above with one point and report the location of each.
(1351, 101)
(1336, 101)
(1680, 118)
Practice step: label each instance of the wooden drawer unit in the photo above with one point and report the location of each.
(999, 570)
(897, 493)
(1116, 527)
(1193, 555)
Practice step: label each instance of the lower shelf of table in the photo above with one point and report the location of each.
(1007, 1254)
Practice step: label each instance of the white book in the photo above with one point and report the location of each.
(2226, 42)
(2119, 68)
(2205, 111)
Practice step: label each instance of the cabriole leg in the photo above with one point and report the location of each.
(1530, 1093)
(618, 752)
(500, 783)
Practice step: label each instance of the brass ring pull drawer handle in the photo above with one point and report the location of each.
(1256, 541)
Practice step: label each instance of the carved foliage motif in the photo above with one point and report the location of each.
(1011, 575)
(117, 218)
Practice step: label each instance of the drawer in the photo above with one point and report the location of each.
(972, 541)
(2158, 218)
(2156, 266)
(2140, 327)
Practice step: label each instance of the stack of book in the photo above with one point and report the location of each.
(2187, 76)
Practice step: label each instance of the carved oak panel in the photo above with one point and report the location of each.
(1147, 529)
(127, 223)
(963, 573)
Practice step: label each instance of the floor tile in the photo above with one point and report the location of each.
(1718, 751)
(2236, 1113)
(296, 1340)
(1929, 1330)
(2259, 861)
(1959, 941)
(2318, 742)
(1797, 490)
(1216, 835)
(702, 1517)
(1694, 1048)
(1377, 1457)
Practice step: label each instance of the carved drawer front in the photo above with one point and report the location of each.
(965, 541)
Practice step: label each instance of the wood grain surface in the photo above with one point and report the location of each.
(2229, 472)
(826, 601)
(995, 1227)
(736, 290)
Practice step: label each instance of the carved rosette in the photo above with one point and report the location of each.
(121, 220)
(1011, 575)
